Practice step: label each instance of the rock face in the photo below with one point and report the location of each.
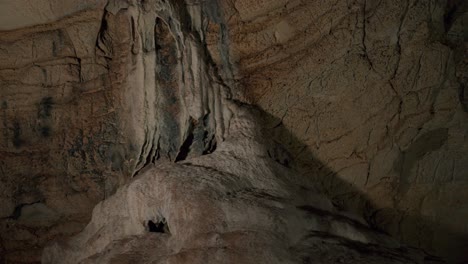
(89, 100)
(237, 205)
(375, 91)
(364, 104)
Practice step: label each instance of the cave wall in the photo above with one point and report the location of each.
(374, 90)
(90, 99)
(371, 93)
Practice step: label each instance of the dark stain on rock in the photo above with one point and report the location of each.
(17, 141)
(44, 113)
(463, 96)
(45, 107)
(45, 131)
(167, 87)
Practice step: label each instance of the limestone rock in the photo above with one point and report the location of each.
(90, 99)
(375, 91)
(236, 205)
(364, 104)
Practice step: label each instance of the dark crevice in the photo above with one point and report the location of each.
(463, 95)
(133, 28)
(102, 42)
(150, 158)
(158, 227)
(156, 154)
(17, 212)
(185, 148)
(141, 157)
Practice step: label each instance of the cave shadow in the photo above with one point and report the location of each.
(348, 198)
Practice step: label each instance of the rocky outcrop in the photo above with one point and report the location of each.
(365, 101)
(237, 205)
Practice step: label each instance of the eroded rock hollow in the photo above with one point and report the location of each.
(243, 131)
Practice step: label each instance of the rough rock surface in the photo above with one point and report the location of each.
(236, 205)
(367, 98)
(375, 92)
(89, 100)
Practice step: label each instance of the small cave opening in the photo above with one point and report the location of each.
(158, 227)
